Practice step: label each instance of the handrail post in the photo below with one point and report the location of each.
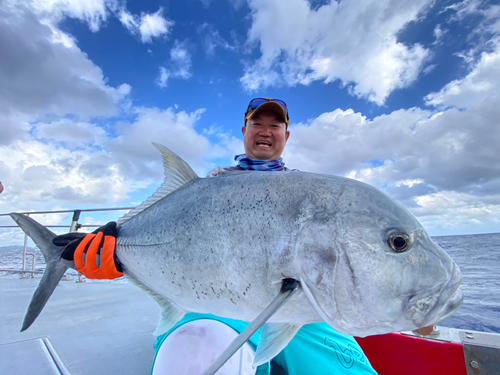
(24, 254)
(74, 228)
(33, 265)
(74, 222)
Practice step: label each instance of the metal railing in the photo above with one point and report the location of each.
(72, 228)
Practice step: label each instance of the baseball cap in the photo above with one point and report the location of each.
(267, 104)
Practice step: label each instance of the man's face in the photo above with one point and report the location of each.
(265, 136)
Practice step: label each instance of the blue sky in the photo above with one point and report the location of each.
(403, 95)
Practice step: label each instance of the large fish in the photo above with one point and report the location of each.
(223, 245)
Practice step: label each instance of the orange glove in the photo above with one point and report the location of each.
(94, 254)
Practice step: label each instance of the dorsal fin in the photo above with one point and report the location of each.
(177, 174)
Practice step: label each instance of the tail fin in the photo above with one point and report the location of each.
(53, 272)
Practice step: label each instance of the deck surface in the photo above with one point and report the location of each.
(96, 328)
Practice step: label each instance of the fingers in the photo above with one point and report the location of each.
(94, 256)
(80, 249)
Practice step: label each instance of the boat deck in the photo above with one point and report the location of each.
(85, 328)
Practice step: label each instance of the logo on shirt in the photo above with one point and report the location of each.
(346, 355)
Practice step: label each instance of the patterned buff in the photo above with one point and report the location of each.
(259, 165)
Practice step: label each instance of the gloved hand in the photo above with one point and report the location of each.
(93, 254)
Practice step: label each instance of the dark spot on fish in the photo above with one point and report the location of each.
(233, 301)
(327, 256)
(162, 271)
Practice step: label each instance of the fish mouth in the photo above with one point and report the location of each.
(437, 303)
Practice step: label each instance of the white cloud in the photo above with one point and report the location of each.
(354, 42)
(211, 39)
(154, 25)
(443, 165)
(71, 134)
(44, 172)
(93, 12)
(148, 25)
(179, 65)
(100, 169)
(439, 33)
(44, 74)
(482, 83)
(459, 213)
(162, 79)
(59, 143)
(132, 149)
(128, 20)
(427, 161)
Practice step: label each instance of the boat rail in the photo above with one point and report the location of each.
(73, 227)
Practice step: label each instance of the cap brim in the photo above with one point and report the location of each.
(268, 106)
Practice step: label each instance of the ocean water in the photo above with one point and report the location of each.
(478, 257)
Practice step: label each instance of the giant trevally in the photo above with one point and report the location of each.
(223, 245)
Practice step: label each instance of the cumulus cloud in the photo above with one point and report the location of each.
(99, 168)
(481, 84)
(354, 42)
(178, 66)
(174, 129)
(43, 73)
(442, 164)
(93, 12)
(59, 143)
(69, 133)
(447, 150)
(147, 25)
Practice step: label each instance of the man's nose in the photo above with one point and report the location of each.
(265, 130)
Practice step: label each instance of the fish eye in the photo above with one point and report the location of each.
(399, 242)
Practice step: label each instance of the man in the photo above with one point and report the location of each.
(196, 341)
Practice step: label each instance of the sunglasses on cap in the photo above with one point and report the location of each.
(255, 103)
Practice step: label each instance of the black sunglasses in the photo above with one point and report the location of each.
(255, 103)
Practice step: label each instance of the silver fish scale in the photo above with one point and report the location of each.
(222, 245)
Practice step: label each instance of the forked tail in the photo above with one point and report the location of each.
(54, 270)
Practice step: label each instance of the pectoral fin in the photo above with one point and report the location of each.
(273, 339)
(170, 315)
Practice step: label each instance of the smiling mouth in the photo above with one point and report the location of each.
(263, 144)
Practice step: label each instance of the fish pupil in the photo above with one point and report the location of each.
(399, 242)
